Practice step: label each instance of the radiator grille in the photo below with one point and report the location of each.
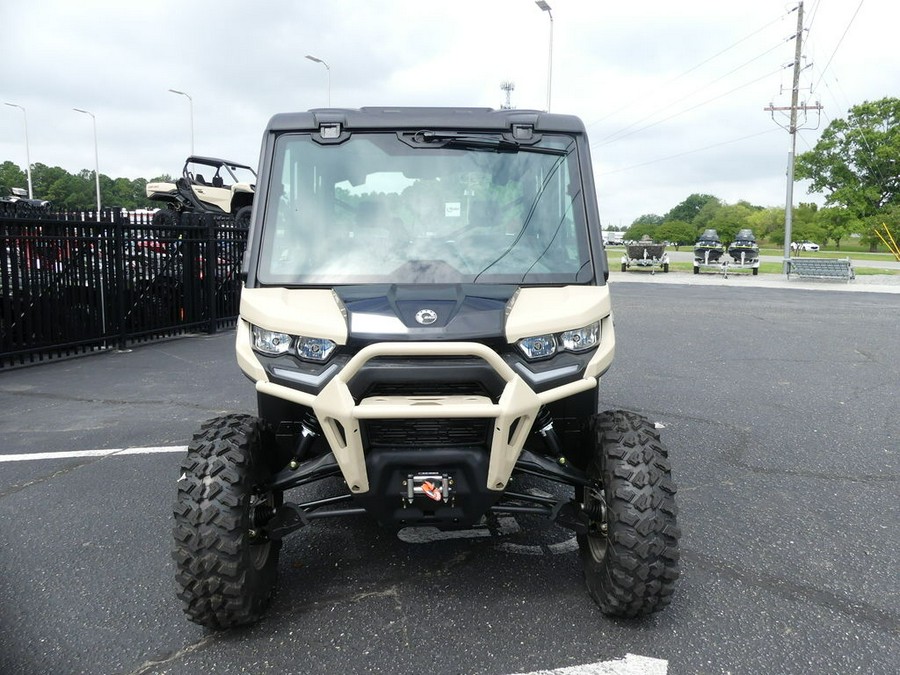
(427, 432)
(426, 389)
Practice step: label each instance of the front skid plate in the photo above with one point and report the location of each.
(441, 487)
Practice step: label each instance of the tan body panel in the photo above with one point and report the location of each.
(154, 189)
(316, 313)
(541, 310)
(313, 312)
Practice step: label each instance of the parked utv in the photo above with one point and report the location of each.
(23, 205)
(426, 316)
(207, 185)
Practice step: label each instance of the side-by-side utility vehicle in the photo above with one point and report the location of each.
(426, 319)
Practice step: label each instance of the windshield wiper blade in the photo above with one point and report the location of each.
(451, 139)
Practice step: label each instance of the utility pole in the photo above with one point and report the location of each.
(792, 130)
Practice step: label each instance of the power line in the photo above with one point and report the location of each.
(619, 133)
(682, 112)
(837, 46)
(686, 152)
(693, 68)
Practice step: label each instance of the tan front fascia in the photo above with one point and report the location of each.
(538, 311)
(312, 312)
(303, 311)
(544, 310)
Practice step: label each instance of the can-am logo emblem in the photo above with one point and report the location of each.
(426, 317)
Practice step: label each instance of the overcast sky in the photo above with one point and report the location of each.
(672, 92)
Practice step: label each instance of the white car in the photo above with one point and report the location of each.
(805, 246)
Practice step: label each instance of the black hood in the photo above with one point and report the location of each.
(447, 312)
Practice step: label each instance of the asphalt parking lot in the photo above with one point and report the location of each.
(780, 407)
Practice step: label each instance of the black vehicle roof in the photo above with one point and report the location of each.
(214, 160)
(378, 118)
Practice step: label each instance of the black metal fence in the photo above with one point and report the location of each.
(74, 283)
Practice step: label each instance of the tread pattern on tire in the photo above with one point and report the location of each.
(638, 573)
(219, 585)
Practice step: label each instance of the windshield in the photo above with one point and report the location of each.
(387, 208)
(218, 174)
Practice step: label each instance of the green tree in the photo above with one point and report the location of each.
(678, 232)
(855, 162)
(805, 223)
(43, 176)
(688, 209)
(639, 229)
(730, 218)
(12, 176)
(648, 219)
(767, 224)
(73, 192)
(706, 213)
(836, 223)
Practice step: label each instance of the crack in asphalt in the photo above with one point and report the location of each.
(736, 453)
(18, 487)
(104, 401)
(793, 590)
(145, 667)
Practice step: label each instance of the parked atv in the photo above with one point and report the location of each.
(425, 315)
(207, 185)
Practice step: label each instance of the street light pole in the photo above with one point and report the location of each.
(96, 156)
(544, 7)
(191, 104)
(316, 59)
(27, 153)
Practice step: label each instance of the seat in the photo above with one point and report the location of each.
(217, 181)
(200, 180)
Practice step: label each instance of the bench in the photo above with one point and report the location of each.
(821, 268)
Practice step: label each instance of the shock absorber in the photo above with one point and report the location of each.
(551, 438)
(309, 431)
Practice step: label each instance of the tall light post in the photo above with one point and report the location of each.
(27, 154)
(191, 104)
(544, 7)
(96, 156)
(316, 59)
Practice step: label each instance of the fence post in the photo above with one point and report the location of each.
(209, 272)
(119, 281)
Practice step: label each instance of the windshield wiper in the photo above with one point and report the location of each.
(452, 139)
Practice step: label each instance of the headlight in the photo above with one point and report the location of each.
(545, 346)
(273, 343)
(314, 349)
(582, 339)
(269, 342)
(538, 347)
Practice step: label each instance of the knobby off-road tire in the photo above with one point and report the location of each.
(225, 576)
(242, 217)
(166, 220)
(630, 557)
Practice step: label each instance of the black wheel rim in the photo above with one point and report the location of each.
(595, 504)
(260, 545)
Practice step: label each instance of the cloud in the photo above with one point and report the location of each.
(667, 89)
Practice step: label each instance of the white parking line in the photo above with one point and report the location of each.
(632, 664)
(73, 454)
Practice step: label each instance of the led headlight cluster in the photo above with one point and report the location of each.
(544, 346)
(273, 343)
